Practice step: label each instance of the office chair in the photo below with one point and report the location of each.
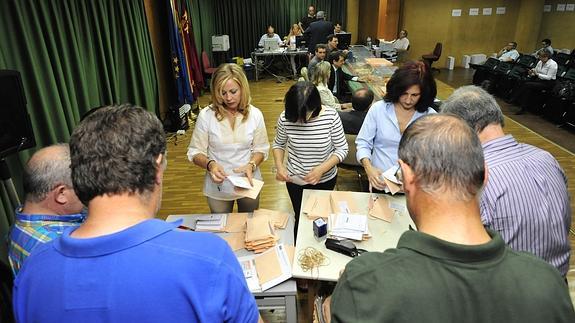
(350, 162)
(433, 57)
(208, 69)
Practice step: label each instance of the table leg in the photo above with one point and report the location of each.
(312, 288)
(257, 63)
(291, 311)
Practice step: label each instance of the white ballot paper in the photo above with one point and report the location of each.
(239, 181)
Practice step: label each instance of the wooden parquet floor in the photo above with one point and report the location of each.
(183, 181)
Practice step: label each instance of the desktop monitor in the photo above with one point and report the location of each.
(343, 40)
(271, 44)
(300, 41)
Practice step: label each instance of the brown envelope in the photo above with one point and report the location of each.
(316, 206)
(236, 222)
(236, 240)
(250, 192)
(343, 197)
(381, 209)
(278, 218)
(258, 228)
(393, 187)
(268, 266)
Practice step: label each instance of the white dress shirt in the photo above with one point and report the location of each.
(231, 148)
(547, 71)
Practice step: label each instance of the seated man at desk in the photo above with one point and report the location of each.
(338, 77)
(270, 34)
(401, 44)
(122, 264)
(452, 269)
(352, 119)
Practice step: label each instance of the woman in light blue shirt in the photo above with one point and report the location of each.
(410, 94)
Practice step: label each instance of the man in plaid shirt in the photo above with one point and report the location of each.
(50, 205)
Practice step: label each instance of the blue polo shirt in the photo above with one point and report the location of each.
(150, 272)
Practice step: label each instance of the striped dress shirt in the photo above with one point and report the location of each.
(526, 200)
(30, 230)
(310, 144)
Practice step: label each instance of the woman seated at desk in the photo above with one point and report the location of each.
(290, 39)
(410, 94)
(320, 78)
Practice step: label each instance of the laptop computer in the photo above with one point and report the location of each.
(271, 45)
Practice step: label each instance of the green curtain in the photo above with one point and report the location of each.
(74, 55)
(245, 21)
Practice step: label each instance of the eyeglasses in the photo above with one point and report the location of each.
(398, 174)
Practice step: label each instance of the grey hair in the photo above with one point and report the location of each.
(474, 105)
(445, 155)
(544, 52)
(43, 172)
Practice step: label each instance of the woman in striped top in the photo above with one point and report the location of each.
(315, 142)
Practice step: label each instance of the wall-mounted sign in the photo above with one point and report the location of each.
(456, 13)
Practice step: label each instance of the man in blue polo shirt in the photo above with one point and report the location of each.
(121, 264)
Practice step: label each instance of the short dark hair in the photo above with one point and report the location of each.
(445, 155)
(330, 37)
(408, 75)
(337, 23)
(514, 44)
(546, 41)
(302, 98)
(405, 31)
(318, 46)
(114, 151)
(475, 106)
(362, 99)
(335, 55)
(544, 53)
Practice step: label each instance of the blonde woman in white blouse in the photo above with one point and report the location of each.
(320, 78)
(229, 138)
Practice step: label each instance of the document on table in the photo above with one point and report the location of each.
(351, 226)
(267, 270)
(379, 208)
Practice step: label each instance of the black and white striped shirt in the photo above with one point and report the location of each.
(310, 144)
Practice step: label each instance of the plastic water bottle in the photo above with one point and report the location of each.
(368, 43)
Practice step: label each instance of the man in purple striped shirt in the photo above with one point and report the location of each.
(526, 198)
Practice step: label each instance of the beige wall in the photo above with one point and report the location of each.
(352, 19)
(429, 22)
(369, 19)
(558, 26)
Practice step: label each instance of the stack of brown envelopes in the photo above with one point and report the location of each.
(278, 218)
(260, 235)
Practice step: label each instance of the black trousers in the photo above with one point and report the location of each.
(295, 194)
(529, 95)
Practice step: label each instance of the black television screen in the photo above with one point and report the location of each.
(300, 42)
(16, 130)
(343, 40)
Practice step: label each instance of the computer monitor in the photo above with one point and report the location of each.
(343, 40)
(300, 41)
(271, 44)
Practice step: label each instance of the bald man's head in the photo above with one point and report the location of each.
(46, 169)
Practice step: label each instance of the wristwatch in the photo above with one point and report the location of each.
(254, 166)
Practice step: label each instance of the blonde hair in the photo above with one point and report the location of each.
(221, 76)
(291, 33)
(321, 73)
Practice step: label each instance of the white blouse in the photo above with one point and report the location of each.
(231, 148)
